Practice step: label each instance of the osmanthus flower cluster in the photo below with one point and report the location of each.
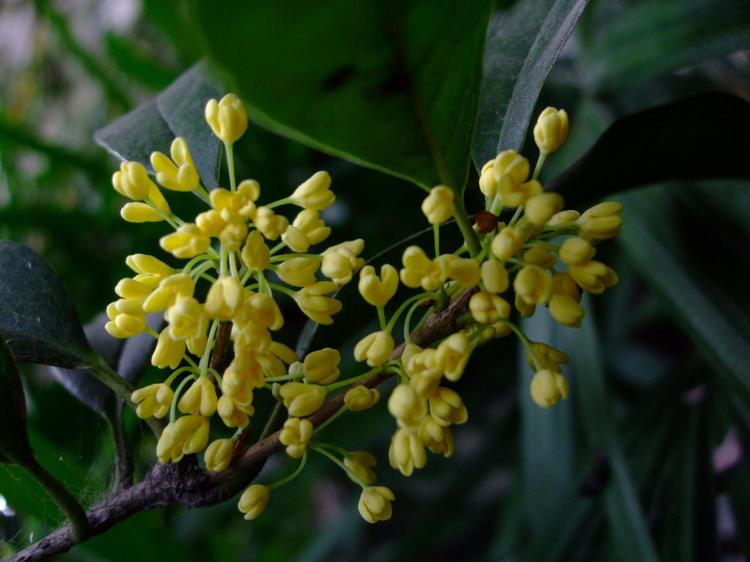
(240, 255)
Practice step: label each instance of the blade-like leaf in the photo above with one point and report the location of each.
(522, 46)
(670, 34)
(37, 318)
(14, 441)
(701, 137)
(181, 106)
(390, 85)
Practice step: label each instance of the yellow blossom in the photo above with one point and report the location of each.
(377, 291)
(601, 221)
(313, 302)
(438, 205)
(488, 308)
(487, 182)
(465, 271)
(185, 317)
(192, 431)
(564, 217)
(149, 269)
(132, 181)
(446, 407)
(551, 130)
(312, 226)
(227, 118)
(360, 398)
(507, 243)
(514, 194)
(137, 212)
(342, 260)
(224, 298)
(593, 276)
(255, 254)
(540, 255)
(575, 251)
(564, 305)
(322, 366)
(168, 351)
(360, 463)
(548, 388)
(295, 239)
(437, 438)
(375, 504)
(187, 242)
(199, 398)
(295, 435)
(533, 284)
(512, 165)
(407, 406)
(153, 400)
(419, 270)
(315, 193)
(524, 308)
(302, 399)
(299, 271)
(375, 348)
(232, 413)
(494, 276)
(406, 451)
(541, 208)
(549, 357)
(218, 455)
(126, 318)
(179, 173)
(269, 223)
(254, 500)
(453, 354)
(165, 295)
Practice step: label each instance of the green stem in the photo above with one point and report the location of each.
(464, 224)
(230, 165)
(273, 419)
(278, 484)
(407, 302)
(340, 464)
(381, 317)
(539, 164)
(330, 420)
(350, 381)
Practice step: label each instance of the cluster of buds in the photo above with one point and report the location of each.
(247, 254)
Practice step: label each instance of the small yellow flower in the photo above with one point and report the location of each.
(165, 295)
(302, 399)
(169, 448)
(263, 311)
(446, 407)
(200, 398)
(315, 193)
(186, 317)
(424, 369)
(453, 354)
(295, 435)
(494, 276)
(541, 208)
(149, 269)
(269, 223)
(438, 205)
(250, 340)
(575, 251)
(601, 221)
(169, 351)
(548, 388)
(232, 413)
(407, 406)
(375, 504)
(224, 298)
(361, 464)
(342, 260)
(549, 357)
(406, 451)
(126, 318)
(312, 226)
(295, 239)
(593, 276)
(131, 289)
(377, 291)
(511, 164)
(507, 243)
(192, 432)
(487, 182)
(254, 500)
(313, 302)
(375, 348)
(513, 194)
(551, 130)
(437, 438)
(465, 271)
(153, 400)
(299, 272)
(360, 398)
(540, 255)
(322, 366)
(187, 242)
(218, 455)
(564, 305)
(419, 270)
(564, 217)
(137, 212)
(488, 308)
(132, 181)
(533, 284)
(255, 254)
(179, 173)
(227, 118)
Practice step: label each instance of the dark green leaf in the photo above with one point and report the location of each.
(14, 442)
(390, 85)
(182, 107)
(670, 35)
(38, 320)
(522, 46)
(700, 137)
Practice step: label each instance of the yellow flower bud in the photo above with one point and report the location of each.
(192, 431)
(419, 270)
(149, 269)
(232, 412)
(407, 406)
(269, 223)
(218, 455)
(299, 272)
(424, 369)
(575, 251)
(438, 205)
(551, 130)
(564, 217)
(251, 339)
(533, 284)
(262, 310)
(540, 255)
(165, 295)
(406, 452)
(488, 308)
(131, 289)
(465, 271)
(322, 366)
(295, 239)
(140, 212)
(507, 243)
(284, 352)
(248, 191)
(566, 310)
(513, 194)
(360, 463)
(153, 400)
(211, 223)
(255, 254)
(232, 235)
(168, 351)
(524, 309)
(510, 163)
(342, 260)
(126, 318)
(169, 448)
(254, 500)
(437, 438)
(179, 173)
(295, 435)
(187, 242)
(549, 357)
(199, 398)
(375, 348)
(377, 291)
(446, 407)
(375, 504)
(185, 317)
(313, 302)
(224, 298)
(453, 354)
(227, 118)
(540, 208)
(133, 182)
(601, 221)
(548, 388)
(593, 276)
(312, 226)
(315, 193)
(302, 399)
(487, 182)
(360, 398)
(494, 276)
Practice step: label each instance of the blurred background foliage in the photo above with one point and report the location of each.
(647, 459)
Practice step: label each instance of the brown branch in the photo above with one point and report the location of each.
(187, 485)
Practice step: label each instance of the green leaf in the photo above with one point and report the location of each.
(38, 320)
(522, 46)
(627, 523)
(709, 307)
(700, 137)
(390, 85)
(14, 441)
(669, 34)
